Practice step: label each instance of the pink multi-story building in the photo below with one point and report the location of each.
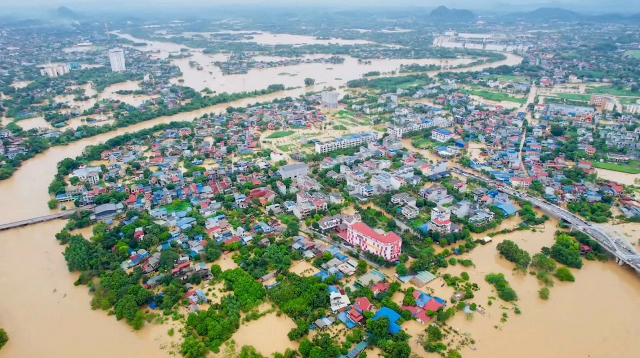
(386, 245)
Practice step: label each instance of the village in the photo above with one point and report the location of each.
(370, 215)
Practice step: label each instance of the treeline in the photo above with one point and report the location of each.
(389, 83)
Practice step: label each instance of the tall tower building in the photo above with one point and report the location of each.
(116, 58)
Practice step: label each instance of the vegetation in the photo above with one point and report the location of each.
(544, 293)
(4, 338)
(623, 168)
(496, 96)
(565, 250)
(596, 212)
(280, 134)
(505, 292)
(564, 274)
(515, 254)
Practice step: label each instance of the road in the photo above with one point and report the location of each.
(610, 239)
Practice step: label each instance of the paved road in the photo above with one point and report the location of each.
(610, 238)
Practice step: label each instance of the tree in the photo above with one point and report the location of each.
(309, 81)
(544, 293)
(193, 348)
(557, 130)
(53, 203)
(362, 267)
(564, 274)
(4, 338)
(542, 262)
(168, 258)
(402, 270)
(515, 254)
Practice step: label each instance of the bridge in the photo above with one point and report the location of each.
(609, 237)
(40, 219)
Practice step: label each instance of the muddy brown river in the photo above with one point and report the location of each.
(45, 315)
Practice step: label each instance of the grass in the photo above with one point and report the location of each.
(287, 74)
(508, 78)
(496, 96)
(380, 129)
(574, 96)
(612, 91)
(422, 143)
(280, 134)
(285, 147)
(633, 53)
(177, 205)
(623, 168)
(340, 127)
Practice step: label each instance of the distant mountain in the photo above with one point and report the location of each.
(444, 14)
(550, 13)
(64, 12)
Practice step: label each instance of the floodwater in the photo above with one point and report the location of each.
(619, 177)
(46, 316)
(597, 315)
(600, 305)
(268, 334)
(256, 79)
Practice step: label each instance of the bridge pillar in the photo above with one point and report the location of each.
(619, 261)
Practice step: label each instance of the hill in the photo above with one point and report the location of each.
(444, 14)
(64, 12)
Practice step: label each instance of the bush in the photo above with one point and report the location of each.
(53, 203)
(564, 274)
(544, 293)
(4, 338)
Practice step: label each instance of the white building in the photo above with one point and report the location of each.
(116, 58)
(293, 170)
(633, 108)
(55, 70)
(329, 99)
(347, 141)
(440, 220)
(399, 131)
(441, 135)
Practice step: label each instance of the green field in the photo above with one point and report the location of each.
(422, 143)
(508, 78)
(177, 205)
(340, 128)
(285, 147)
(612, 91)
(633, 53)
(624, 168)
(496, 96)
(280, 134)
(574, 96)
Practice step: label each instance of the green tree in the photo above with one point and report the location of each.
(544, 293)
(309, 81)
(4, 338)
(564, 274)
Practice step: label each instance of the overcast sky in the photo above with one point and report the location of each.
(510, 5)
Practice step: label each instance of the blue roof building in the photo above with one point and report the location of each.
(393, 317)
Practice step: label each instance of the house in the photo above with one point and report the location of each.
(440, 220)
(410, 211)
(520, 182)
(362, 304)
(338, 299)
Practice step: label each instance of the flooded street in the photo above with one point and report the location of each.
(45, 315)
